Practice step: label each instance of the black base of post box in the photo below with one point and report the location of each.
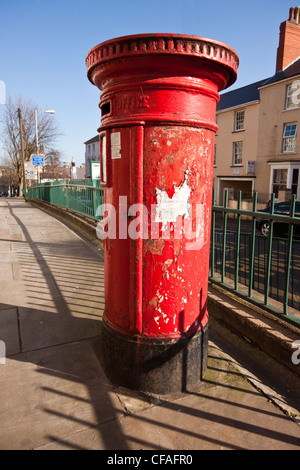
(157, 366)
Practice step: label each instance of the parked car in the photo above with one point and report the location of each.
(279, 228)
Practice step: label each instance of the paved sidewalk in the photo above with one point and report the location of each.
(54, 394)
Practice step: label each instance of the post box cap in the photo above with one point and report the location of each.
(150, 44)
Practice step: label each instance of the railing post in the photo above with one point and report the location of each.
(225, 215)
(67, 195)
(288, 256)
(213, 227)
(238, 239)
(269, 255)
(94, 198)
(252, 247)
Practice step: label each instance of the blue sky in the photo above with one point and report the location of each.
(43, 45)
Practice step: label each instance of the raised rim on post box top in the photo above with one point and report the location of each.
(164, 43)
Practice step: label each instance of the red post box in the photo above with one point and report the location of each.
(158, 107)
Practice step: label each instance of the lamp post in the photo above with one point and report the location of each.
(49, 111)
(22, 154)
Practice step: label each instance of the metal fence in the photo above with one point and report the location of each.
(81, 196)
(264, 270)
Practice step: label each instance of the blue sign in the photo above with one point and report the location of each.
(37, 159)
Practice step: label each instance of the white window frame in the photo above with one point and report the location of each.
(281, 182)
(239, 120)
(235, 160)
(289, 166)
(289, 139)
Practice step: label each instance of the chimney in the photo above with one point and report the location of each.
(289, 40)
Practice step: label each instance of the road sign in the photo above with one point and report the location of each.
(30, 171)
(95, 170)
(38, 160)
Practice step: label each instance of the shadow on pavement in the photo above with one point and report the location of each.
(54, 393)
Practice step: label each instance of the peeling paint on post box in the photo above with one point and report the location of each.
(168, 208)
(178, 166)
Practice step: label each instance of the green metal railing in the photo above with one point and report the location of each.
(262, 270)
(81, 196)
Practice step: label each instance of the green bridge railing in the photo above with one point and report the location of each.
(264, 270)
(81, 196)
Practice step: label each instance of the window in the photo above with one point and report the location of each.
(279, 180)
(215, 155)
(103, 159)
(251, 167)
(292, 95)
(289, 138)
(237, 153)
(239, 117)
(288, 102)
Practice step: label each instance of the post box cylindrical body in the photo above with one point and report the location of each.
(158, 108)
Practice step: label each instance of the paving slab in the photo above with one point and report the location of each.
(50, 393)
(54, 393)
(10, 330)
(225, 412)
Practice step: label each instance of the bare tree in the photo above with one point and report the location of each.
(53, 161)
(10, 135)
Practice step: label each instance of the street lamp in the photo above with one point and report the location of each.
(49, 111)
(22, 154)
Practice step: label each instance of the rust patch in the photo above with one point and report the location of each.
(167, 264)
(156, 247)
(153, 302)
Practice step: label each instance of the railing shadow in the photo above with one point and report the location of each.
(59, 326)
(63, 386)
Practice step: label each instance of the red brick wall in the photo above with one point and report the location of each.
(289, 44)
